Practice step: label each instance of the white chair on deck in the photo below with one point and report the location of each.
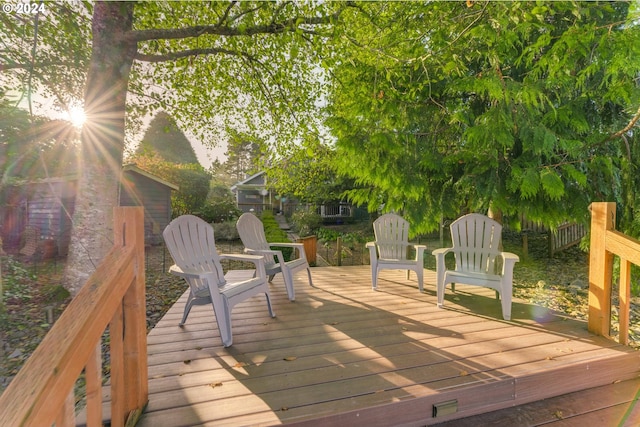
(251, 233)
(389, 251)
(476, 246)
(192, 246)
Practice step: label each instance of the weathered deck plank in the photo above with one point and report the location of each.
(345, 354)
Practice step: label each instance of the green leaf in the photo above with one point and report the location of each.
(552, 184)
(530, 184)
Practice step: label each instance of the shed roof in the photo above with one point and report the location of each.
(136, 169)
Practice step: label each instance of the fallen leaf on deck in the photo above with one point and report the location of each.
(290, 358)
(186, 362)
(240, 365)
(214, 385)
(558, 415)
(464, 373)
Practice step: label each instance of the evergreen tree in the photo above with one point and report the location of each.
(165, 139)
(444, 107)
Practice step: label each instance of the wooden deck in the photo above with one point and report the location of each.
(343, 354)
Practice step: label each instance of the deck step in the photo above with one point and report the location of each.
(614, 404)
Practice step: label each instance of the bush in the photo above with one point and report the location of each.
(225, 231)
(219, 211)
(306, 223)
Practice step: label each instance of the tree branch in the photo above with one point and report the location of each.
(173, 56)
(292, 24)
(627, 128)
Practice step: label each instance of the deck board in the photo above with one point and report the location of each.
(342, 353)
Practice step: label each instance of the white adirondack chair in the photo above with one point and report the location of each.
(191, 243)
(389, 251)
(476, 245)
(253, 238)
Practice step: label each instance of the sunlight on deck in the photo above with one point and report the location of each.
(342, 350)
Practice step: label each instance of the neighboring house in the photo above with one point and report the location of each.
(140, 188)
(253, 195)
(48, 205)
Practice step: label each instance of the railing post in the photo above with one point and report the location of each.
(603, 217)
(129, 231)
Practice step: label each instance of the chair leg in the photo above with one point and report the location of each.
(223, 317)
(420, 274)
(506, 306)
(288, 283)
(271, 312)
(187, 308)
(374, 278)
(309, 274)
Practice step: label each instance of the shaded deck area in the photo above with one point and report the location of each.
(343, 354)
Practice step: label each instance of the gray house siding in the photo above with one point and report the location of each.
(140, 189)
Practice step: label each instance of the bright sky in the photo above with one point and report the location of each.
(44, 107)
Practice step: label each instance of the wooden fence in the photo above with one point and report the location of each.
(565, 236)
(114, 296)
(606, 243)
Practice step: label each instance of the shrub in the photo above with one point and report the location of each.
(225, 230)
(219, 211)
(305, 222)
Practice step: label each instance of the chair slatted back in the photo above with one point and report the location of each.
(251, 233)
(476, 243)
(392, 236)
(192, 246)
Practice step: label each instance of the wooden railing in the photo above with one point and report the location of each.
(605, 243)
(114, 296)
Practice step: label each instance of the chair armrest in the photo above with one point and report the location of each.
(287, 245)
(371, 245)
(509, 257)
(195, 274)
(257, 260)
(260, 251)
(299, 246)
(509, 262)
(441, 251)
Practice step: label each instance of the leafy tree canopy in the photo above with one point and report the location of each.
(244, 155)
(446, 106)
(308, 174)
(35, 147)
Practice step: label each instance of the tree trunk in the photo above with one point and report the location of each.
(102, 140)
